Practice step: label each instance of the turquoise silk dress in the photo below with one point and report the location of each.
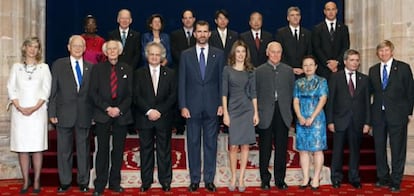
(309, 91)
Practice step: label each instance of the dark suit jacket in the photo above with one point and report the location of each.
(215, 41)
(398, 96)
(131, 53)
(342, 108)
(179, 43)
(194, 93)
(72, 108)
(294, 50)
(265, 89)
(145, 98)
(258, 57)
(100, 92)
(324, 49)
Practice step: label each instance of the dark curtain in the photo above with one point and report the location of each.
(64, 18)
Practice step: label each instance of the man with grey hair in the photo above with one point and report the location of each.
(71, 111)
(155, 95)
(111, 94)
(296, 41)
(274, 87)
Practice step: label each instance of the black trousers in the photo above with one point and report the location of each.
(277, 134)
(103, 133)
(353, 137)
(397, 134)
(162, 140)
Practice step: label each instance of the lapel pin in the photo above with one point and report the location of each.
(164, 73)
(395, 68)
(122, 68)
(214, 55)
(86, 69)
(125, 76)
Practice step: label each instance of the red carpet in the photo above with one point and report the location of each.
(12, 187)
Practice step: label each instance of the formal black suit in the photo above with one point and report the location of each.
(215, 40)
(131, 54)
(398, 99)
(178, 44)
(100, 93)
(325, 48)
(73, 109)
(294, 50)
(258, 56)
(349, 114)
(160, 130)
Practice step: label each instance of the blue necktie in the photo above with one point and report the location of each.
(78, 73)
(123, 38)
(384, 77)
(202, 63)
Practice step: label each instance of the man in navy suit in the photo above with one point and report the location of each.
(199, 93)
(296, 41)
(222, 37)
(348, 116)
(330, 39)
(393, 91)
(155, 96)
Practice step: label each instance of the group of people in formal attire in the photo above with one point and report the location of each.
(310, 79)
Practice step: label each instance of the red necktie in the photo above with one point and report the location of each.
(257, 41)
(114, 82)
(351, 85)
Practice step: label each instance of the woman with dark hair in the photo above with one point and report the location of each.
(309, 97)
(155, 25)
(239, 108)
(29, 89)
(94, 42)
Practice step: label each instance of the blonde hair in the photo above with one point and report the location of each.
(29, 41)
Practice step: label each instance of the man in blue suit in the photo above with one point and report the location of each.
(199, 91)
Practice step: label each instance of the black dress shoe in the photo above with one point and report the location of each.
(145, 188)
(265, 186)
(83, 188)
(382, 183)
(395, 189)
(96, 193)
(314, 188)
(281, 185)
(193, 187)
(63, 188)
(306, 185)
(356, 185)
(210, 187)
(166, 187)
(117, 189)
(336, 184)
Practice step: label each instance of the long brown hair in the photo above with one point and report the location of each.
(232, 55)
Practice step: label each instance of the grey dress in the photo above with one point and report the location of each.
(240, 88)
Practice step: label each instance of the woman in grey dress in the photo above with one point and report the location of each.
(239, 108)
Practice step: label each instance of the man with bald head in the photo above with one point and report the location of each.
(274, 86)
(330, 40)
(71, 111)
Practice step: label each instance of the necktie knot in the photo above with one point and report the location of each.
(257, 41)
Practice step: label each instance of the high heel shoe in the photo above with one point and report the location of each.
(24, 190)
(36, 190)
(241, 188)
(314, 188)
(232, 187)
(305, 186)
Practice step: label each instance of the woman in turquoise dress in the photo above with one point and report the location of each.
(309, 97)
